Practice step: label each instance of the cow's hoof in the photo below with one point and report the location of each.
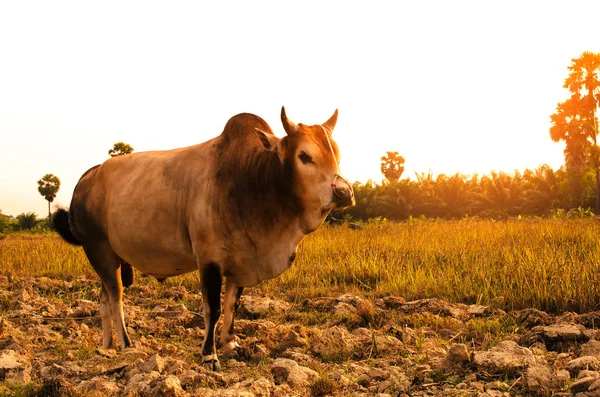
(213, 362)
(232, 350)
(216, 366)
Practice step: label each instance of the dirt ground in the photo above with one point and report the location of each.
(348, 345)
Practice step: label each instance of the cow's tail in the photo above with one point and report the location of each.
(63, 227)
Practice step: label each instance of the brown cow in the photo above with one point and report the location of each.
(236, 206)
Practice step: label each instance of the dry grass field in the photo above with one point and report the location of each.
(420, 308)
(548, 264)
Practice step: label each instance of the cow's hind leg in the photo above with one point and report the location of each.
(108, 266)
(105, 316)
(212, 281)
(231, 302)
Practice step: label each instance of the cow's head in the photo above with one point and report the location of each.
(313, 156)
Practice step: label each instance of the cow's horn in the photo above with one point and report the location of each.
(330, 124)
(288, 126)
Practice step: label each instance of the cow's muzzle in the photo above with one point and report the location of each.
(343, 195)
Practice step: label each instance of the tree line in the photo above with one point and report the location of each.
(498, 195)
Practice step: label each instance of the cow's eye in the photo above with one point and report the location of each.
(305, 158)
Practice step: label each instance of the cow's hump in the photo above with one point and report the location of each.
(243, 125)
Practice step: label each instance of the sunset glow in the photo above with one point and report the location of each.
(463, 87)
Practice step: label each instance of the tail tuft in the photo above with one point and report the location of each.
(61, 224)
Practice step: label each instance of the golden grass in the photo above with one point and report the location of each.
(42, 255)
(549, 264)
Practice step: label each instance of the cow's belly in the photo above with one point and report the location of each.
(160, 257)
(165, 266)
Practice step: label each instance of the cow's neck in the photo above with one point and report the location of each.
(273, 223)
(260, 194)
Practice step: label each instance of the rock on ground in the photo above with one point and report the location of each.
(583, 363)
(505, 356)
(99, 384)
(288, 371)
(14, 367)
(333, 343)
(140, 384)
(154, 363)
(166, 386)
(347, 346)
(458, 357)
(539, 378)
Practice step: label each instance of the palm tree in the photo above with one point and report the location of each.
(27, 221)
(542, 190)
(48, 187)
(576, 123)
(453, 194)
(500, 194)
(392, 166)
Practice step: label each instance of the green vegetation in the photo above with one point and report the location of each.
(25, 222)
(539, 192)
(6, 222)
(550, 264)
(119, 149)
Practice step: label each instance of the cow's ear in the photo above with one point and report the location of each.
(269, 141)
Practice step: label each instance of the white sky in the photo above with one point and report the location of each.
(454, 86)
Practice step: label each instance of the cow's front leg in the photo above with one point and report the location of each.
(212, 281)
(231, 303)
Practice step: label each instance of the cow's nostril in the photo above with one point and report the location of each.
(342, 192)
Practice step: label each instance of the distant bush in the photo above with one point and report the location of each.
(6, 223)
(25, 223)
